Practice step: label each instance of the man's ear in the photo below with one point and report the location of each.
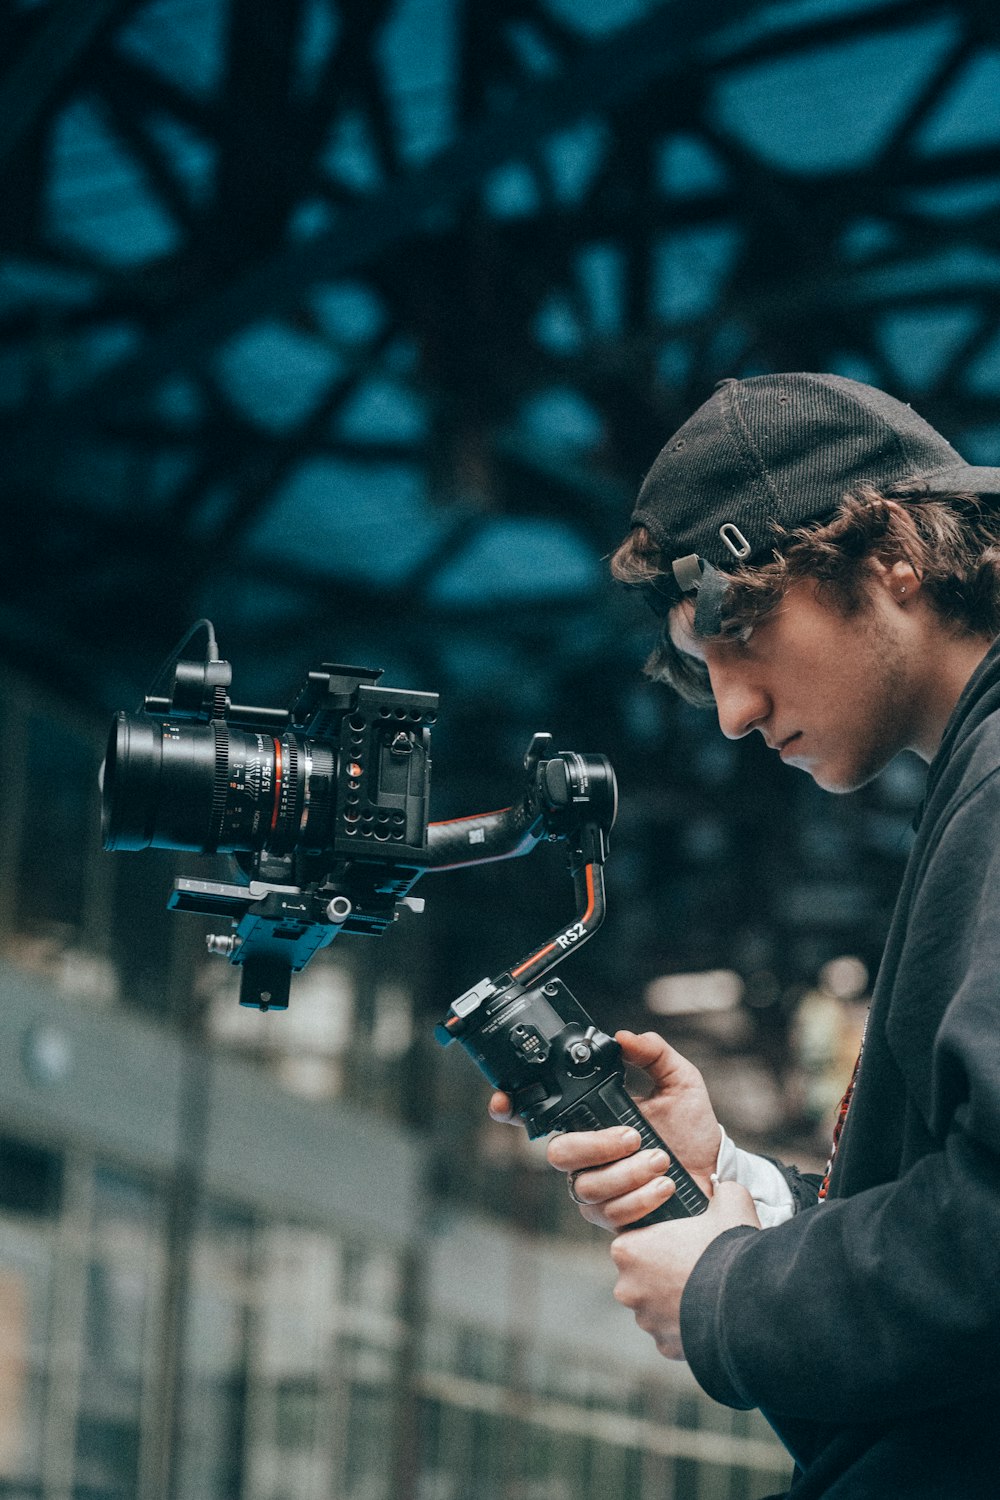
(900, 577)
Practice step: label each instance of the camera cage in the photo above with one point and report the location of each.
(345, 849)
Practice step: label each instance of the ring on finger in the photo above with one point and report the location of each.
(571, 1184)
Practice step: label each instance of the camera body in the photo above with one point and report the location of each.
(344, 771)
(322, 805)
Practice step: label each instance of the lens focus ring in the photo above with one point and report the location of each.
(219, 786)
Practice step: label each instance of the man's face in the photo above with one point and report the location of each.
(837, 696)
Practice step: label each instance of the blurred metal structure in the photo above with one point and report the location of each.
(354, 324)
(247, 240)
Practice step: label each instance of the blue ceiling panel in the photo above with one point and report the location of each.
(24, 284)
(349, 312)
(982, 374)
(561, 418)
(831, 109)
(335, 518)
(276, 374)
(691, 269)
(516, 561)
(182, 39)
(383, 410)
(99, 199)
(969, 115)
(417, 50)
(687, 166)
(920, 342)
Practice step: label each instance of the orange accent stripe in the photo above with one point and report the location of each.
(532, 960)
(528, 962)
(277, 783)
(469, 818)
(590, 896)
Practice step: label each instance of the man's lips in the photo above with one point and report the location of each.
(782, 745)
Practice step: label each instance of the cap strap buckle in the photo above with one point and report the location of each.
(688, 572)
(695, 575)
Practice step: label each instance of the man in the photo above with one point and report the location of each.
(828, 572)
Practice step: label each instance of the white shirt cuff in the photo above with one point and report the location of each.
(767, 1187)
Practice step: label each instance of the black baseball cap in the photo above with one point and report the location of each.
(774, 452)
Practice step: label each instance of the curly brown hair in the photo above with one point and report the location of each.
(952, 541)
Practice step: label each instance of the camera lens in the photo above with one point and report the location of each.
(214, 788)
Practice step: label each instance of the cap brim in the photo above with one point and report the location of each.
(980, 481)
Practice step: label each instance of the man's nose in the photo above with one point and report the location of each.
(741, 705)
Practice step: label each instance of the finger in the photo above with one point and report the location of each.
(649, 1051)
(502, 1109)
(595, 1216)
(732, 1202)
(602, 1184)
(619, 1213)
(580, 1149)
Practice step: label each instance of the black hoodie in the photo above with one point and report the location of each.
(867, 1327)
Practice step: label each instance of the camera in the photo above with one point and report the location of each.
(323, 806)
(323, 809)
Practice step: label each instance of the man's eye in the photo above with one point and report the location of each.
(738, 633)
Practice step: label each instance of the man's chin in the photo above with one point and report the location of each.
(840, 781)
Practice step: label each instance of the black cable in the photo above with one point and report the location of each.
(211, 654)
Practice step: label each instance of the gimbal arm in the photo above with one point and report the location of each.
(584, 820)
(534, 1040)
(563, 793)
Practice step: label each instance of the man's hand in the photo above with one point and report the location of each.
(654, 1263)
(617, 1182)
